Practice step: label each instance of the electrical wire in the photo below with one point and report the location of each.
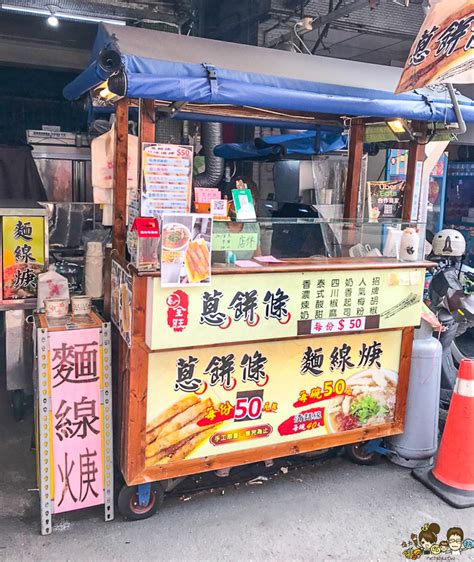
(300, 39)
(295, 46)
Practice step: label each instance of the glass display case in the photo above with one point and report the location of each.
(273, 240)
(396, 168)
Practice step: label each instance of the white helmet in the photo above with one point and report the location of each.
(449, 243)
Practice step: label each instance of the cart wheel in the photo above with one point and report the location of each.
(129, 506)
(17, 398)
(356, 453)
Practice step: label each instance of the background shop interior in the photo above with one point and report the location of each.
(34, 71)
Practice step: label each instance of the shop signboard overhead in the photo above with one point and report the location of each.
(444, 48)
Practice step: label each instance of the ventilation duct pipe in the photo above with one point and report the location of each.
(211, 136)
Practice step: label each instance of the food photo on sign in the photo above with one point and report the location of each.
(121, 300)
(23, 256)
(236, 397)
(186, 250)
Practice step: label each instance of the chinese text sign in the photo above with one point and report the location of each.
(23, 256)
(259, 306)
(75, 382)
(235, 397)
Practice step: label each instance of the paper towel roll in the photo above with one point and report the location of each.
(94, 269)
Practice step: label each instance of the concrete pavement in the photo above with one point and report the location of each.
(332, 510)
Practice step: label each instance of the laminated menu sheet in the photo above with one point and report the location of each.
(166, 179)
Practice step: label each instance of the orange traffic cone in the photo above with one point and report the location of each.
(452, 478)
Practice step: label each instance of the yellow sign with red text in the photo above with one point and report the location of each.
(262, 306)
(209, 401)
(23, 245)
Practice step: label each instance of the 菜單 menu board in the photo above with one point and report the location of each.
(207, 401)
(258, 306)
(166, 179)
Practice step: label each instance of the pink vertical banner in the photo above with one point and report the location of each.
(75, 378)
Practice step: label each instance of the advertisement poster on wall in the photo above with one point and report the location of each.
(385, 199)
(121, 301)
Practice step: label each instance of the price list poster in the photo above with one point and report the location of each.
(166, 179)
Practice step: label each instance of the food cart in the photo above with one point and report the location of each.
(273, 357)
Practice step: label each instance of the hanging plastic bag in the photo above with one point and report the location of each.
(51, 285)
(103, 169)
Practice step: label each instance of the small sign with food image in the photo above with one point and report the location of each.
(121, 301)
(23, 248)
(186, 250)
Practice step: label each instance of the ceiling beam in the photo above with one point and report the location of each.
(35, 53)
(322, 21)
(116, 10)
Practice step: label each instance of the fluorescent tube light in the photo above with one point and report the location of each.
(61, 15)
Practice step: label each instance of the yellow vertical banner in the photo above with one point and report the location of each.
(23, 256)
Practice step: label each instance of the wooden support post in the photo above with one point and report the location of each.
(120, 177)
(134, 362)
(147, 120)
(356, 149)
(416, 154)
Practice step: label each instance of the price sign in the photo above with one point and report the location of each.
(248, 405)
(338, 325)
(166, 179)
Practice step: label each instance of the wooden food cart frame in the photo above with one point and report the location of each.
(133, 362)
(111, 72)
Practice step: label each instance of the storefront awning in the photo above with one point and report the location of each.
(176, 68)
(307, 143)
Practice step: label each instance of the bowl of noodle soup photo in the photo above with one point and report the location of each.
(175, 236)
(371, 401)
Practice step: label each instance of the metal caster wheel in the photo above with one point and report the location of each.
(140, 502)
(360, 455)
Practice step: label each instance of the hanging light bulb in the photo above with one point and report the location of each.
(52, 19)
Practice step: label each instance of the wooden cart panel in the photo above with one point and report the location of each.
(180, 424)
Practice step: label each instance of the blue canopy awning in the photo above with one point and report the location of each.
(306, 143)
(176, 68)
